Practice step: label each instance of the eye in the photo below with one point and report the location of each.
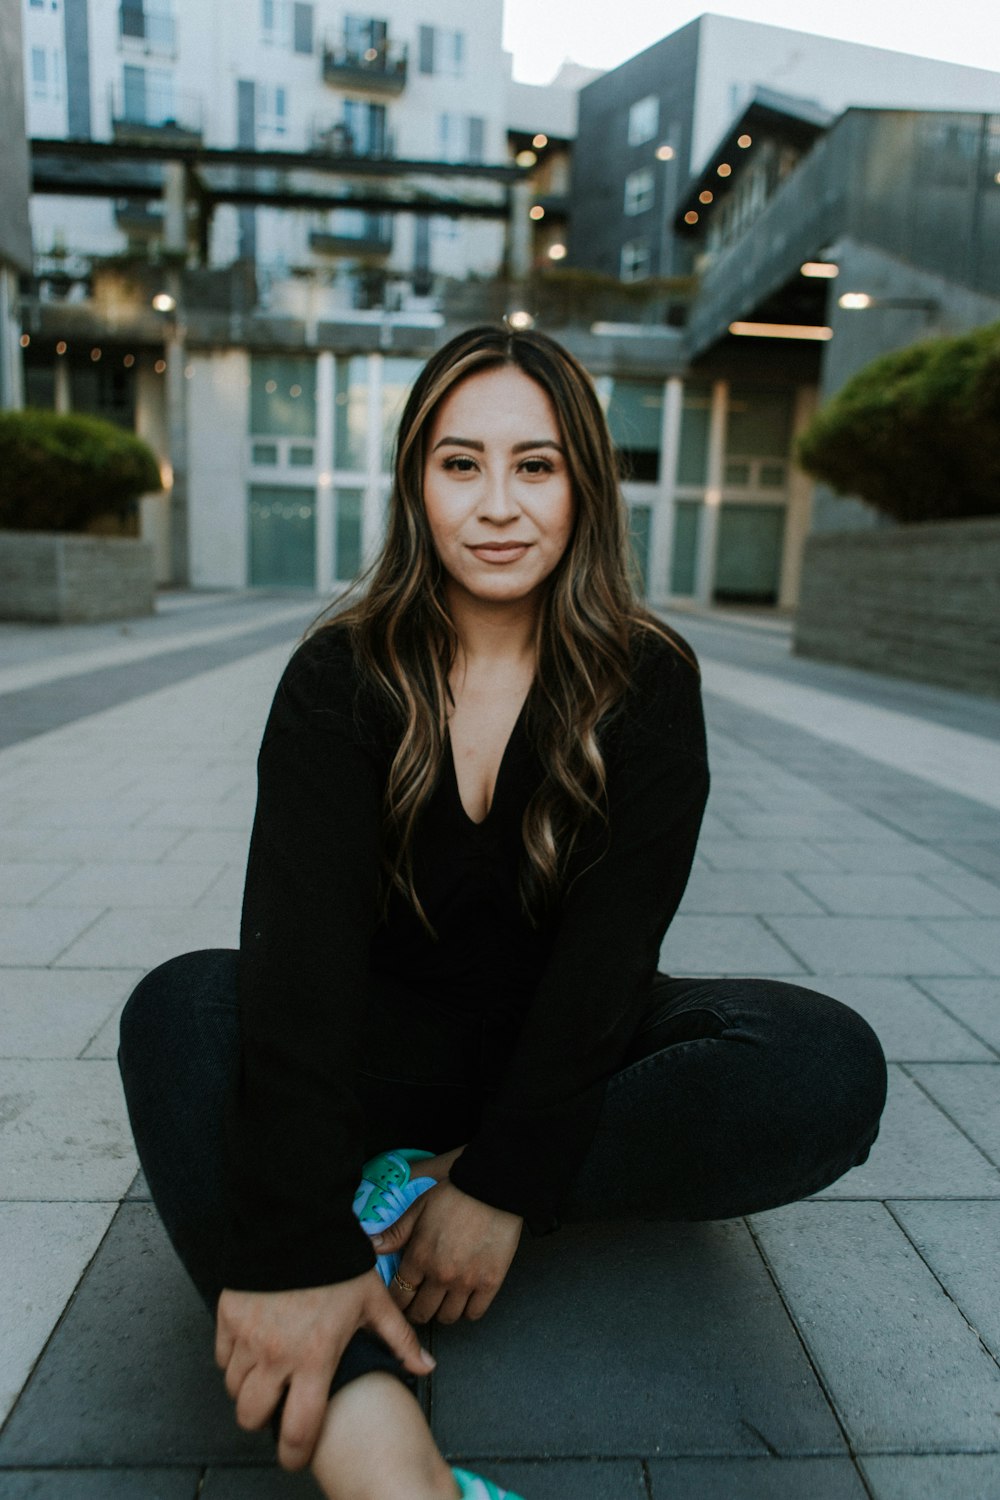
(460, 463)
(537, 466)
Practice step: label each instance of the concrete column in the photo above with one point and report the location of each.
(371, 520)
(175, 208)
(798, 515)
(661, 549)
(11, 370)
(708, 532)
(325, 397)
(519, 232)
(63, 394)
(177, 431)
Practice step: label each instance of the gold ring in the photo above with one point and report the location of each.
(406, 1285)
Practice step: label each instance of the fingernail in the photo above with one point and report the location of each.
(377, 1239)
(427, 1359)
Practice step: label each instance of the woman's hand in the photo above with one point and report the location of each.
(269, 1342)
(457, 1252)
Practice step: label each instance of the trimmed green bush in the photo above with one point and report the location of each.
(59, 473)
(917, 432)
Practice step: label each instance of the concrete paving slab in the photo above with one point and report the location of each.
(844, 824)
(904, 1369)
(58, 1012)
(961, 1244)
(81, 811)
(869, 945)
(212, 846)
(724, 945)
(790, 855)
(675, 1337)
(979, 895)
(561, 1479)
(958, 1476)
(64, 1134)
(919, 1153)
(980, 855)
(160, 1399)
(104, 1044)
(756, 1479)
(865, 895)
(732, 893)
(145, 937)
(134, 845)
(226, 889)
(887, 857)
(128, 884)
(976, 1003)
(35, 1288)
(202, 813)
(975, 937)
(32, 936)
(910, 1026)
(271, 1483)
(969, 1093)
(21, 881)
(101, 1484)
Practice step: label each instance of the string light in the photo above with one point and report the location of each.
(128, 361)
(95, 355)
(61, 347)
(540, 140)
(744, 141)
(537, 212)
(665, 153)
(557, 252)
(25, 340)
(724, 169)
(160, 366)
(706, 197)
(525, 158)
(691, 217)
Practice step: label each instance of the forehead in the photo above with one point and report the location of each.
(496, 404)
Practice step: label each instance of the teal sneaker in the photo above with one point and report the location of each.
(384, 1193)
(471, 1487)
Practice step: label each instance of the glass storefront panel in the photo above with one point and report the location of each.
(759, 424)
(696, 415)
(350, 420)
(348, 509)
(635, 417)
(683, 568)
(640, 528)
(398, 375)
(748, 559)
(282, 536)
(283, 396)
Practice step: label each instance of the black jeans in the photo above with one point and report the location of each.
(736, 1095)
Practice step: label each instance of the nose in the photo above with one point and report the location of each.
(497, 501)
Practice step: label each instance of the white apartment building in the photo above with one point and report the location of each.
(421, 81)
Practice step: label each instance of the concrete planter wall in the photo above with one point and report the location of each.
(919, 601)
(65, 579)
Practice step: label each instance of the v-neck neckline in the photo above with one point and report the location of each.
(456, 789)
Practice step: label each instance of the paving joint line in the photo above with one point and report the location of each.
(990, 1047)
(940, 1107)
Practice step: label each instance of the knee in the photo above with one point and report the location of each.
(163, 1008)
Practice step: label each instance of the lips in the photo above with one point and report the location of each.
(500, 552)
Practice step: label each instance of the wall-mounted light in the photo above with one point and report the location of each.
(858, 301)
(164, 303)
(824, 269)
(855, 301)
(520, 319)
(557, 252)
(525, 158)
(665, 153)
(781, 331)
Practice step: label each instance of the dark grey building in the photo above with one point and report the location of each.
(15, 231)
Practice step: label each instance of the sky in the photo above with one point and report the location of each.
(603, 33)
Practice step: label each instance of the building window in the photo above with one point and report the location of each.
(272, 108)
(37, 4)
(276, 22)
(643, 120)
(39, 73)
(442, 51)
(282, 396)
(635, 260)
(639, 191)
(365, 126)
(460, 137)
(635, 420)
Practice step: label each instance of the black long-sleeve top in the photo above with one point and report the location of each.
(313, 944)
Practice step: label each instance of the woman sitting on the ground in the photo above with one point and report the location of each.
(480, 789)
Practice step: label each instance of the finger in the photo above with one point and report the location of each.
(429, 1297)
(452, 1307)
(480, 1302)
(388, 1322)
(237, 1370)
(258, 1396)
(224, 1341)
(403, 1290)
(302, 1419)
(397, 1235)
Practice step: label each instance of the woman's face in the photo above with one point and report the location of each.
(497, 491)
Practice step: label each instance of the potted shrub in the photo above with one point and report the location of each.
(917, 435)
(63, 477)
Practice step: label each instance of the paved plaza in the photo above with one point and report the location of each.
(843, 1347)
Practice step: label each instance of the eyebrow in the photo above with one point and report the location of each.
(478, 447)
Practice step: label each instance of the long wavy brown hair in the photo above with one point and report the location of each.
(405, 642)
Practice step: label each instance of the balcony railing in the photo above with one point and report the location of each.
(380, 67)
(337, 139)
(152, 32)
(372, 236)
(144, 113)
